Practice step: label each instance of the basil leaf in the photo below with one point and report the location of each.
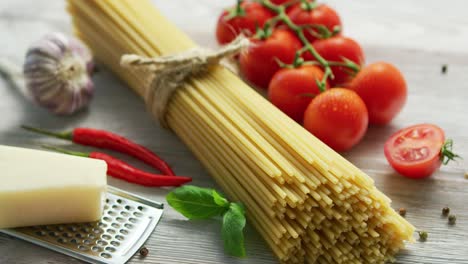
(196, 203)
(232, 230)
(219, 199)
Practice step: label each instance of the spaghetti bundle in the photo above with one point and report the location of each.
(310, 204)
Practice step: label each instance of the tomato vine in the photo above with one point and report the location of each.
(281, 16)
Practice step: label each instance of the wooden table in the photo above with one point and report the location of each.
(417, 37)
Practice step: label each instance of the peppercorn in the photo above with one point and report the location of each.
(444, 68)
(402, 211)
(144, 252)
(423, 235)
(445, 211)
(452, 219)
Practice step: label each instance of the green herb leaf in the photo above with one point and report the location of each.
(202, 203)
(219, 199)
(232, 230)
(197, 203)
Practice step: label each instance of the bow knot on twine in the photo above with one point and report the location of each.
(168, 73)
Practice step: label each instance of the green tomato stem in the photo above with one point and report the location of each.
(299, 31)
(307, 5)
(237, 11)
(446, 154)
(350, 64)
(238, 7)
(291, 3)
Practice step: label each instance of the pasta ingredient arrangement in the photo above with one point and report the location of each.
(308, 202)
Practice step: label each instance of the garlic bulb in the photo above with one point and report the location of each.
(57, 73)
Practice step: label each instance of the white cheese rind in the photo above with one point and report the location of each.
(41, 187)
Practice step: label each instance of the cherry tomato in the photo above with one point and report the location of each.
(383, 89)
(335, 49)
(291, 90)
(415, 151)
(230, 25)
(259, 63)
(338, 117)
(320, 15)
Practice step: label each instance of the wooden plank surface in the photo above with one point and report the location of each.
(417, 37)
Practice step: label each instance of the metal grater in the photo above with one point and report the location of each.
(127, 222)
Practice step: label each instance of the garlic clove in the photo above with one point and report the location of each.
(57, 70)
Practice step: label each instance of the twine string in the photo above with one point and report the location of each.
(169, 73)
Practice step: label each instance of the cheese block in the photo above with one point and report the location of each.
(41, 187)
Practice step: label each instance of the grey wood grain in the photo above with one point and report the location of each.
(402, 32)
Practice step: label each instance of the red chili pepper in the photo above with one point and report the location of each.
(108, 140)
(122, 170)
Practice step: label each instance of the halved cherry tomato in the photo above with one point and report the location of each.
(383, 89)
(338, 117)
(335, 49)
(320, 15)
(417, 151)
(231, 24)
(259, 62)
(291, 90)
